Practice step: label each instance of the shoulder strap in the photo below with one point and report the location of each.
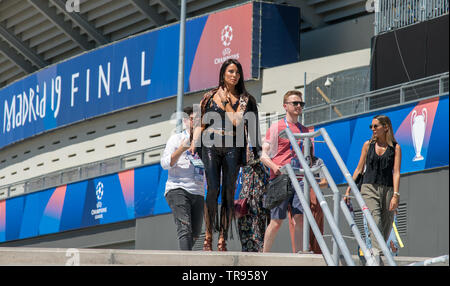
(207, 99)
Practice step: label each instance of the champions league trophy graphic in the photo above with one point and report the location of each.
(418, 125)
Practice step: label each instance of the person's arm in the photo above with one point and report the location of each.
(179, 151)
(197, 133)
(265, 159)
(166, 158)
(323, 183)
(396, 178)
(197, 130)
(360, 167)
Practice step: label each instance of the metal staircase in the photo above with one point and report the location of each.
(339, 244)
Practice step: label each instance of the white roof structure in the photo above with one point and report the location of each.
(38, 33)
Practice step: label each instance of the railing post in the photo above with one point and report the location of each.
(309, 215)
(304, 96)
(342, 206)
(402, 95)
(306, 238)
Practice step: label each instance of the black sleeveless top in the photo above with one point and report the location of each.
(215, 108)
(379, 168)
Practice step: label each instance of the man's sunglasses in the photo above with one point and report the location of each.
(297, 103)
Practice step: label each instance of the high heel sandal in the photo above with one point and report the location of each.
(207, 244)
(222, 245)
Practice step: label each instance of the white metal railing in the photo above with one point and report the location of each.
(436, 85)
(394, 14)
(339, 204)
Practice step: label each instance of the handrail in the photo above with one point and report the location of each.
(337, 236)
(365, 98)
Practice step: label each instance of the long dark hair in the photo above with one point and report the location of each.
(240, 87)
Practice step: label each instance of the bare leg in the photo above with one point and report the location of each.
(298, 232)
(271, 233)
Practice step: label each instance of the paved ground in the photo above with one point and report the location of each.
(72, 256)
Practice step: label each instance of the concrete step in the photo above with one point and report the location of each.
(71, 256)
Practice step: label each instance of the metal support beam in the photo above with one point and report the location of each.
(15, 42)
(171, 7)
(58, 20)
(181, 54)
(12, 55)
(82, 22)
(149, 12)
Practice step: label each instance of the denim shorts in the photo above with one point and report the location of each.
(280, 211)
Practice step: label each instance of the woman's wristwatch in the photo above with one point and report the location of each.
(397, 194)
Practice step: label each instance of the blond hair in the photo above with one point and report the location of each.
(292, 92)
(385, 121)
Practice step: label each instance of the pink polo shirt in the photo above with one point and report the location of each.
(280, 151)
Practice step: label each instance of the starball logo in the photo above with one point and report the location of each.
(73, 6)
(100, 208)
(226, 37)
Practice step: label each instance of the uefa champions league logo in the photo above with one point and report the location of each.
(227, 35)
(99, 191)
(100, 209)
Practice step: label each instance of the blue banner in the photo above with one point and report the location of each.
(144, 68)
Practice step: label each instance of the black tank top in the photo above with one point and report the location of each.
(379, 168)
(210, 124)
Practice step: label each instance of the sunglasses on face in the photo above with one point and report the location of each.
(374, 126)
(297, 103)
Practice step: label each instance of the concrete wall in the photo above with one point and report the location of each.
(343, 37)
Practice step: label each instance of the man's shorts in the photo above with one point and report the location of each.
(280, 211)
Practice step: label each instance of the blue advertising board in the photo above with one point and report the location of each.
(144, 68)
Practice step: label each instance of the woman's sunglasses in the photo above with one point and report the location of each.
(374, 126)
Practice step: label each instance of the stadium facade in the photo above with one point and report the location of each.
(85, 114)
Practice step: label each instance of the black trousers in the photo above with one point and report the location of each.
(187, 212)
(221, 166)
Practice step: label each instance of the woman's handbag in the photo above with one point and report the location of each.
(254, 181)
(359, 180)
(278, 190)
(240, 207)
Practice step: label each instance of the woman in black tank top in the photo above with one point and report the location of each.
(381, 158)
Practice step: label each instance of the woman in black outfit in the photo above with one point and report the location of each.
(380, 188)
(223, 152)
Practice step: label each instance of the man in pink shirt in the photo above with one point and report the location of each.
(277, 152)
